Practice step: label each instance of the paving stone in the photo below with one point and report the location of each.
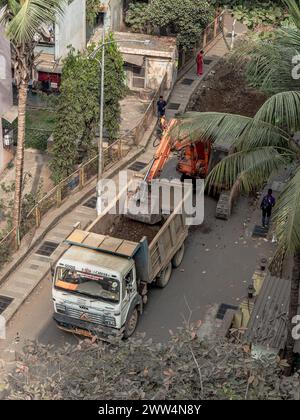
(14, 293)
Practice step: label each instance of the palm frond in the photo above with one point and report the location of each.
(247, 169)
(287, 216)
(25, 21)
(294, 11)
(243, 133)
(281, 110)
(271, 67)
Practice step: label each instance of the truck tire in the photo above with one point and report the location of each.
(178, 257)
(164, 277)
(131, 323)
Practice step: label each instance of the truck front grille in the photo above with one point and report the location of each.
(91, 317)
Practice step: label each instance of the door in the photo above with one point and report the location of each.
(128, 292)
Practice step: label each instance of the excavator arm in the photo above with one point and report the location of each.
(162, 154)
(193, 160)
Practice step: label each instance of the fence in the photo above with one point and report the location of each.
(85, 173)
(212, 31)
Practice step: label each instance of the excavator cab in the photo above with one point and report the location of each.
(194, 160)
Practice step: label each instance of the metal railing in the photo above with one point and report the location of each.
(212, 31)
(76, 181)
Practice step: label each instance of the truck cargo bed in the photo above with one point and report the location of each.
(131, 230)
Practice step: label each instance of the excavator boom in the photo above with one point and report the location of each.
(162, 154)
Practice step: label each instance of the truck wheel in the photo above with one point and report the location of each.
(131, 323)
(178, 257)
(164, 278)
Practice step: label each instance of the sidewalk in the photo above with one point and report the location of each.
(47, 245)
(186, 86)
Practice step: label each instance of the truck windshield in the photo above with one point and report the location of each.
(92, 285)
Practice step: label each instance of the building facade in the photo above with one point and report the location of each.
(7, 111)
(147, 64)
(69, 30)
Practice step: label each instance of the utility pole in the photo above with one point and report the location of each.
(232, 34)
(100, 145)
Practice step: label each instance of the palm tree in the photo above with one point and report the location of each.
(272, 61)
(23, 20)
(264, 144)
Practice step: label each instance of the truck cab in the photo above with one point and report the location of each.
(95, 293)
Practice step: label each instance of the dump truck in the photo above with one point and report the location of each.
(101, 282)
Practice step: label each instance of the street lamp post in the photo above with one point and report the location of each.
(101, 118)
(100, 161)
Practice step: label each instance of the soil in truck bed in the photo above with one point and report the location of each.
(131, 230)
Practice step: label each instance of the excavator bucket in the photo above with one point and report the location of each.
(139, 205)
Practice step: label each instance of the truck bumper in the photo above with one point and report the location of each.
(85, 328)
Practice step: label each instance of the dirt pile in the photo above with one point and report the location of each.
(125, 228)
(226, 90)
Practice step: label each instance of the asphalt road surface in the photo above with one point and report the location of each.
(219, 261)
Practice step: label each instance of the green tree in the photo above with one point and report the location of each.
(272, 62)
(77, 113)
(22, 20)
(92, 9)
(185, 19)
(263, 145)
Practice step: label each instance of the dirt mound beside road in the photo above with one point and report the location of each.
(226, 90)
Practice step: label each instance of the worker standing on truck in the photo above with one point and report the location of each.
(268, 202)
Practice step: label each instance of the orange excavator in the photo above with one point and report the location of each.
(193, 162)
(193, 159)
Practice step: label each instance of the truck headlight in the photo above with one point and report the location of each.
(110, 321)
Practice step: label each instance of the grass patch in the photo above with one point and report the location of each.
(39, 126)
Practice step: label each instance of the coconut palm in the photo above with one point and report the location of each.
(273, 61)
(265, 143)
(23, 20)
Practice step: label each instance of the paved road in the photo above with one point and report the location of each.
(219, 261)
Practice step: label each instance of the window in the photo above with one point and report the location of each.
(138, 79)
(136, 75)
(85, 283)
(128, 281)
(129, 278)
(99, 20)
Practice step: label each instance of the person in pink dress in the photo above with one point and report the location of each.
(199, 60)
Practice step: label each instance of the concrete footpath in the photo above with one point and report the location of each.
(31, 265)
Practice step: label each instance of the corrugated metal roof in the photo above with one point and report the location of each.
(268, 322)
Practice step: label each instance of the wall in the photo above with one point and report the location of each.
(5, 74)
(156, 69)
(71, 29)
(5, 93)
(114, 16)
